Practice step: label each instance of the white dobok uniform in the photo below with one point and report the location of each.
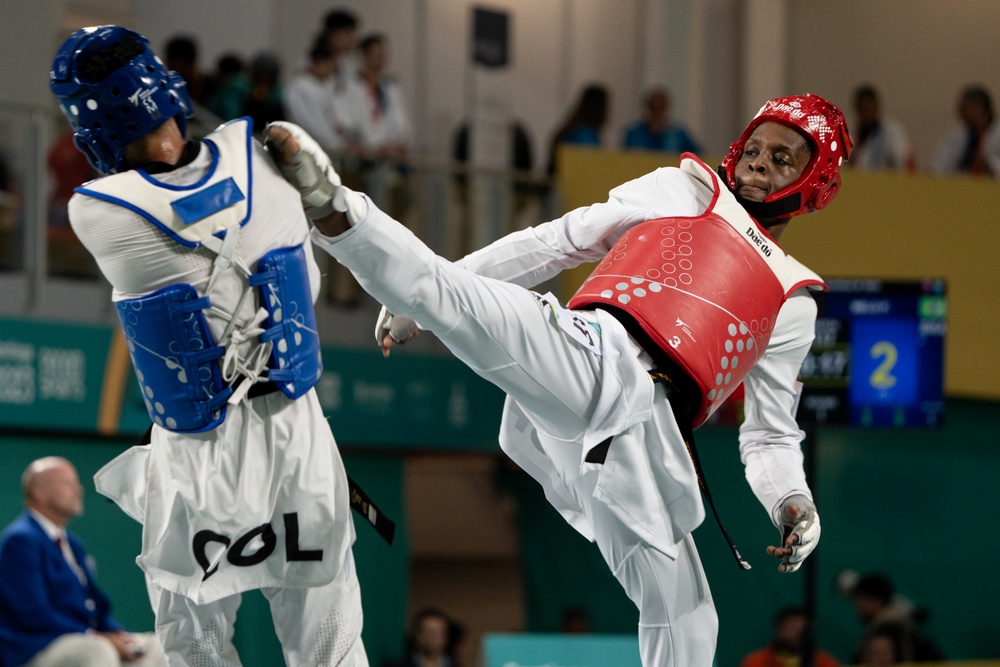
(567, 393)
(270, 457)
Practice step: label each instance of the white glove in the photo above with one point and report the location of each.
(399, 328)
(797, 516)
(308, 169)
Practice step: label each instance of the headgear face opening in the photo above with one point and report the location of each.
(128, 103)
(824, 126)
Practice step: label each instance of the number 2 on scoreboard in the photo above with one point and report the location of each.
(882, 377)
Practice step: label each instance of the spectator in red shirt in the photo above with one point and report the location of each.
(785, 648)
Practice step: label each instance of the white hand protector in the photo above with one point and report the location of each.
(399, 327)
(308, 170)
(797, 516)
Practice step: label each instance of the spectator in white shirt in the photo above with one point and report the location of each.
(974, 146)
(375, 105)
(881, 143)
(311, 98)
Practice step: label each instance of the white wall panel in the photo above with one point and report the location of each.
(220, 26)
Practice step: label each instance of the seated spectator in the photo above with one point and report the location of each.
(574, 620)
(787, 643)
(431, 641)
(264, 102)
(882, 611)
(973, 147)
(374, 105)
(584, 123)
(311, 101)
(880, 650)
(229, 88)
(879, 142)
(655, 132)
(52, 612)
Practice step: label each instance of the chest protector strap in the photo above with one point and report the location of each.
(296, 362)
(175, 360)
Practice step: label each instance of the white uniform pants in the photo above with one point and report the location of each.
(678, 624)
(317, 627)
(499, 330)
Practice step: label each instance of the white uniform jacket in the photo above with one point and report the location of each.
(648, 478)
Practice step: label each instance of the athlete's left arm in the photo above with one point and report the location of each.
(770, 440)
(770, 436)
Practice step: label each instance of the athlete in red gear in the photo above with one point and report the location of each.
(691, 295)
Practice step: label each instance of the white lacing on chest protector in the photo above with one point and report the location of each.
(253, 367)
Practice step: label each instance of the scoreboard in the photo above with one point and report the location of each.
(878, 356)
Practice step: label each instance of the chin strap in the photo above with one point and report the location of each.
(780, 208)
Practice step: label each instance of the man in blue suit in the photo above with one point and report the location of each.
(52, 613)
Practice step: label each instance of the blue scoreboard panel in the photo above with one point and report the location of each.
(878, 357)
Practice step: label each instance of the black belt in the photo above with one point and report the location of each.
(362, 504)
(258, 388)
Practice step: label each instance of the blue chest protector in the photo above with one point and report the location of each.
(186, 377)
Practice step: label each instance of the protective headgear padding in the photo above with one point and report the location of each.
(823, 125)
(128, 103)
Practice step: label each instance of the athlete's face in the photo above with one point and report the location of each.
(774, 157)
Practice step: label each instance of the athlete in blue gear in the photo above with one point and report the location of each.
(207, 250)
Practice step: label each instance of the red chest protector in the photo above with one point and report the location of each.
(706, 289)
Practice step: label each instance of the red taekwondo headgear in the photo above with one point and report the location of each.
(824, 126)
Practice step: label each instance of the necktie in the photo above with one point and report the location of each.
(67, 553)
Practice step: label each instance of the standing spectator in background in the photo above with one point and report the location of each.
(342, 30)
(52, 612)
(787, 643)
(263, 103)
(431, 641)
(375, 107)
(229, 88)
(181, 56)
(882, 142)
(973, 148)
(311, 101)
(69, 169)
(655, 132)
(583, 125)
(10, 219)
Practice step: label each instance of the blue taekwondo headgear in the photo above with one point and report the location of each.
(129, 103)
